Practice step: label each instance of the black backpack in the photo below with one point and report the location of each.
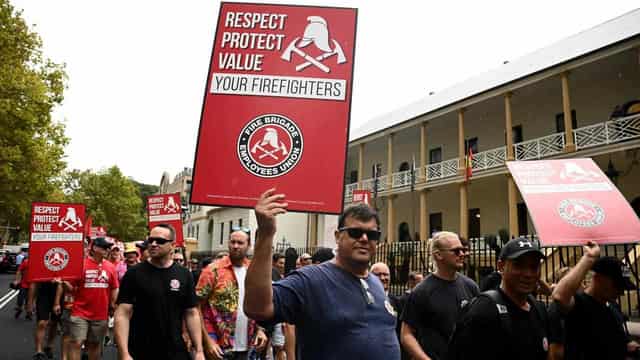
(456, 342)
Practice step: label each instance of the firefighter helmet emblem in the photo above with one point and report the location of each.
(71, 221)
(581, 212)
(56, 259)
(270, 145)
(317, 33)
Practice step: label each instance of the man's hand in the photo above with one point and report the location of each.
(199, 356)
(592, 250)
(212, 348)
(125, 357)
(56, 309)
(260, 341)
(269, 205)
(632, 347)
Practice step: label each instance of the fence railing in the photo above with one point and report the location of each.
(541, 147)
(608, 132)
(443, 169)
(489, 159)
(348, 191)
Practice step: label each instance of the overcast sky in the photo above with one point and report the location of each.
(137, 69)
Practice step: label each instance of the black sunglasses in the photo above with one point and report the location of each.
(178, 260)
(356, 233)
(458, 251)
(158, 240)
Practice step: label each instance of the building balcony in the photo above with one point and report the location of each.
(587, 137)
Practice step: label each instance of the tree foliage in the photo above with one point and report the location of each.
(112, 200)
(31, 143)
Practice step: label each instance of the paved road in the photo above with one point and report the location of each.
(16, 335)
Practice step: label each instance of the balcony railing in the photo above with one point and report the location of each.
(443, 169)
(403, 178)
(539, 148)
(605, 133)
(608, 132)
(489, 159)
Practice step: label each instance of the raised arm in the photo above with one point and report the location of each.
(567, 287)
(258, 299)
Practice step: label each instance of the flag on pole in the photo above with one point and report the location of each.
(375, 180)
(469, 165)
(87, 226)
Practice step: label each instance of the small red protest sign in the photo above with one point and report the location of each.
(276, 107)
(56, 241)
(361, 196)
(165, 208)
(572, 201)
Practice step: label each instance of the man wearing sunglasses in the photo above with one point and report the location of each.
(232, 335)
(155, 298)
(338, 308)
(433, 306)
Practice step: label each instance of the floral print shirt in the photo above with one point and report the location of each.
(218, 285)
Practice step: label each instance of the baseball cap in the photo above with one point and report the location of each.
(614, 269)
(102, 242)
(517, 247)
(142, 245)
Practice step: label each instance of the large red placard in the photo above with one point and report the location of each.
(165, 208)
(572, 201)
(56, 241)
(276, 107)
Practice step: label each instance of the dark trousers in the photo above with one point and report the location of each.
(22, 297)
(236, 355)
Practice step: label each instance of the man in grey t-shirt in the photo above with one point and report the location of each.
(432, 308)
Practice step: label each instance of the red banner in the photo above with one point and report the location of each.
(361, 196)
(165, 208)
(572, 201)
(97, 231)
(276, 107)
(56, 241)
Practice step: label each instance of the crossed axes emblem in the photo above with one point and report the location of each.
(317, 61)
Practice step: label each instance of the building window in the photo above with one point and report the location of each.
(435, 155)
(516, 134)
(353, 177)
(230, 227)
(435, 223)
(471, 143)
(376, 169)
(221, 233)
(210, 227)
(404, 167)
(197, 232)
(560, 121)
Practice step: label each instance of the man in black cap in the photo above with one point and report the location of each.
(507, 323)
(594, 327)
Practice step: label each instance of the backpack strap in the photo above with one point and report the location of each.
(503, 313)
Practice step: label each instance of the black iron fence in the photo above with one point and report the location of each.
(405, 257)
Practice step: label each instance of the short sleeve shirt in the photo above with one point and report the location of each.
(159, 298)
(92, 296)
(23, 268)
(432, 309)
(593, 331)
(485, 336)
(335, 318)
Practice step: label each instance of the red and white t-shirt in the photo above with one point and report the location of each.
(91, 298)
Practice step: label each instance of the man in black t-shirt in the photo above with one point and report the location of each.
(432, 307)
(594, 329)
(515, 328)
(155, 297)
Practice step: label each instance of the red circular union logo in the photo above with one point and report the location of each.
(56, 259)
(581, 212)
(270, 145)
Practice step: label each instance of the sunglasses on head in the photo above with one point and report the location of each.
(243, 229)
(158, 240)
(356, 233)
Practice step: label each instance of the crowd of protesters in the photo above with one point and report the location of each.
(150, 302)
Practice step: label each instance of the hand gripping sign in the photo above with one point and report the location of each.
(572, 201)
(165, 208)
(56, 241)
(276, 107)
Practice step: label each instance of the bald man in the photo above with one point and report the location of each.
(381, 270)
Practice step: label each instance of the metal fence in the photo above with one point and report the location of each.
(482, 259)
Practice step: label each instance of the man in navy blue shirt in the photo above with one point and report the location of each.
(340, 311)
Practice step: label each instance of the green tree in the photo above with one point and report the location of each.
(112, 200)
(146, 190)
(31, 143)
